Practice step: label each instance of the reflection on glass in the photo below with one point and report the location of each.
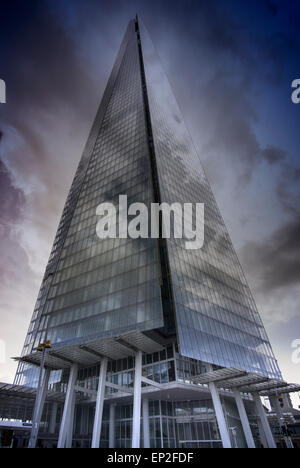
(217, 319)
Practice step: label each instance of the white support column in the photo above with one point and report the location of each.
(52, 425)
(264, 421)
(68, 414)
(220, 416)
(38, 410)
(146, 431)
(112, 425)
(244, 419)
(99, 405)
(137, 400)
(262, 436)
(223, 429)
(70, 429)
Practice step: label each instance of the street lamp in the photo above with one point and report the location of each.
(279, 404)
(35, 420)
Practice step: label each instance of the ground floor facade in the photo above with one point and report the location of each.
(171, 424)
(153, 400)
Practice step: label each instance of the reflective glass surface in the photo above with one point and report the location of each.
(95, 287)
(99, 288)
(217, 319)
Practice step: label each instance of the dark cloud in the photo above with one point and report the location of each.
(49, 76)
(222, 60)
(233, 144)
(276, 260)
(52, 74)
(11, 199)
(14, 265)
(287, 189)
(272, 154)
(53, 98)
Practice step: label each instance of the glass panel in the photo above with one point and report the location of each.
(94, 287)
(217, 319)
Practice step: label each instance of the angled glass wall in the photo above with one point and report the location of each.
(217, 319)
(96, 288)
(93, 287)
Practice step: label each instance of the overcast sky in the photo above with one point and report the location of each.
(230, 66)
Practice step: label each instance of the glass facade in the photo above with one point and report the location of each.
(92, 288)
(216, 316)
(171, 424)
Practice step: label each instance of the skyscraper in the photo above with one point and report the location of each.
(145, 322)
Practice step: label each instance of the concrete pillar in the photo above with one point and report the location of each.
(137, 400)
(38, 409)
(99, 405)
(262, 436)
(244, 419)
(264, 421)
(223, 429)
(70, 429)
(146, 429)
(52, 425)
(68, 413)
(220, 416)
